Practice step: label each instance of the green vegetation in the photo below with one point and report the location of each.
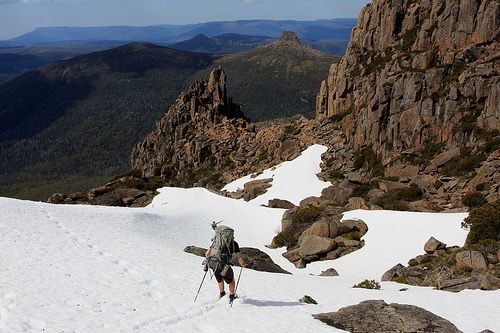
(456, 69)
(338, 117)
(336, 175)
(307, 215)
(360, 191)
(286, 239)
(368, 284)
(80, 118)
(369, 161)
(398, 198)
(400, 279)
(463, 164)
(483, 223)
(409, 37)
(473, 199)
(463, 271)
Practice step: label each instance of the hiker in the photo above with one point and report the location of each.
(218, 256)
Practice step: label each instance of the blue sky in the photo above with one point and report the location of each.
(21, 16)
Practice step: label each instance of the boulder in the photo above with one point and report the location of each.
(336, 195)
(460, 284)
(308, 300)
(320, 228)
(76, 196)
(56, 197)
(253, 193)
(312, 245)
(432, 245)
(280, 203)
(257, 260)
(357, 203)
(95, 192)
(129, 193)
(341, 241)
(313, 201)
(378, 316)
(356, 225)
(338, 228)
(446, 156)
(473, 259)
(387, 185)
(109, 199)
(337, 253)
(329, 272)
(398, 270)
(421, 205)
(292, 255)
(199, 251)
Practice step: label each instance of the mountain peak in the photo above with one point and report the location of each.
(289, 36)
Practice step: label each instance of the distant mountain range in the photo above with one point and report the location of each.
(46, 45)
(71, 125)
(339, 29)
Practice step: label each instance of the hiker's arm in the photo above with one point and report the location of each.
(206, 253)
(240, 260)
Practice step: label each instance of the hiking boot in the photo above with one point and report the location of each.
(232, 298)
(222, 294)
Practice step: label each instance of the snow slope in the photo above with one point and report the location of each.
(107, 269)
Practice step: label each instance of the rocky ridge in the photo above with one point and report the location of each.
(449, 268)
(205, 139)
(418, 89)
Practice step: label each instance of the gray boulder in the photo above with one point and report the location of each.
(280, 203)
(378, 316)
(473, 259)
(432, 245)
(338, 228)
(398, 270)
(308, 300)
(313, 244)
(356, 225)
(329, 272)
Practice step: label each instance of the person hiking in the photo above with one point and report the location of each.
(218, 255)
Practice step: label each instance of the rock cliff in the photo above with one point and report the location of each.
(205, 139)
(413, 69)
(417, 94)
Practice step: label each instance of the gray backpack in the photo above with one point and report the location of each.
(221, 250)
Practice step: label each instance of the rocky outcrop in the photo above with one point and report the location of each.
(205, 139)
(417, 72)
(182, 136)
(449, 268)
(378, 316)
(412, 69)
(314, 232)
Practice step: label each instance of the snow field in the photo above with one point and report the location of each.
(107, 269)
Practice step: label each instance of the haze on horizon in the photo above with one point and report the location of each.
(18, 17)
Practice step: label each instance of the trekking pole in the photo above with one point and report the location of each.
(237, 283)
(201, 285)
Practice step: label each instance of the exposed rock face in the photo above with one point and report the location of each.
(205, 139)
(450, 269)
(378, 316)
(420, 72)
(433, 245)
(473, 259)
(412, 69)
(204, 107)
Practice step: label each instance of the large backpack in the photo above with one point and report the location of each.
(221, 250)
